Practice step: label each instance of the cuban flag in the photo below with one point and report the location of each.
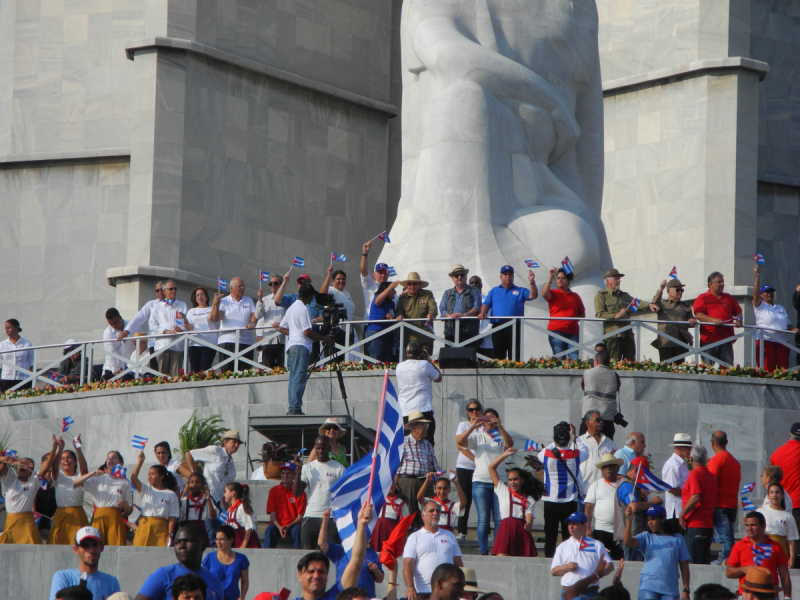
(349, 494)
(531, 445)
(392, 272)
(748, 488)
(65, 423)
(495, 435)
(299, 262)
(648, 481)
(674, 273)
(588, 545)
(384, 237)
(139, 442)
(340, 257)
(9, 453)
(531, 264)
(634, 305)
(747, 505)
(557, 482)
(119, 472)
(222, 284)
(43, 483)
(761, 552)
(223, 517)
(759, 258)
(178, 319)
(263, 275)
(38, 517)
(566, 264)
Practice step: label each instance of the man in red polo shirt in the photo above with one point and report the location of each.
(758, 549)
(728, 472)
(284, 510)
(787, 457)
(717, 307)
(699, 497)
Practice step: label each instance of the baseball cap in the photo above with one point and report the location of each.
(795, 429)
(656, 510)
(288, 465)
(576, 517)
(766, 288)
(87, 533)
(304, 277)
(382, 267)
(506, 269)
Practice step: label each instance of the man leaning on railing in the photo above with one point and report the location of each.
(717, 307)
(672, 309)
(113, 341)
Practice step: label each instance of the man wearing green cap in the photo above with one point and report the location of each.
(612, 305)
(672, 309)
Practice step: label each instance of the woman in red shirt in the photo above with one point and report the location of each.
(563, 302)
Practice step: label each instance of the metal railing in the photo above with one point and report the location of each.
(140, 365)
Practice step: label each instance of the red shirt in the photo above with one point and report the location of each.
(724, 307)
(729, 475)
(565, 304)
(742, 556)
(787, 457)
(702, 482)
(281, 501)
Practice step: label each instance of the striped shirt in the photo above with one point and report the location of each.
(418, 457)
(559, 485)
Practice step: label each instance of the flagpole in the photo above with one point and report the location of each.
(639, 470)
(377, 437)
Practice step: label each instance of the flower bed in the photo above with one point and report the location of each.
(533, 363)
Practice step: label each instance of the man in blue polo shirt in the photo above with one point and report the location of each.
(507, 300)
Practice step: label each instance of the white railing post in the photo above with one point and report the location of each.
(697, 342)
(185, 354)
(762, 337)
(236, 351)
(638, 341)
(514, 323)
(401, 351)
(83, 364)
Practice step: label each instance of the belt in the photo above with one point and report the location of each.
(591, 587)
(410, 476)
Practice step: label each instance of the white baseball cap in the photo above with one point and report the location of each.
(87, 533)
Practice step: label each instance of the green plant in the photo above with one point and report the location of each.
(199, 433)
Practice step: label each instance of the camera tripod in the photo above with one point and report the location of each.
(330, 350)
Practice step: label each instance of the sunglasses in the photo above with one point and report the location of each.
(274, 283)
(597, 420)
(459, 275)
(169, 289)
(474, 409)
(159, 291)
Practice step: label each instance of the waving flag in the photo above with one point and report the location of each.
(263, 275)
(119, 472)
(759, 258)
(9, 453)
(139, 442)
(531, 445)
(587, 545)
(566, 264)
(222, 284)
(648, 481)
(349, 494)
(299, 262)
(392, 272)
(65, 423)
(340, 257)
(178, 319)
(531, 264)
(634, 305)
(38, 517)
(222, 517)
(748, 488)
(674, 273)
(43, 483)
(747, 505)
(761, 552)
(384, 237)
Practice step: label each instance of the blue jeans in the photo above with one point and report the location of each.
(272, 535)
(486, 502)
(589, 594)
(698, 542)
(725, 527)
(298, 357)
(650, 595)
(557, 345)
(380, 348)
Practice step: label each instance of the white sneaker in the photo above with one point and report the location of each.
(460, 537)
(491, 539)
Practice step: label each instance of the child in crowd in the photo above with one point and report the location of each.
(160, 505)
(113, 499)
(20, 489)
(195, 504)
(449, 511)
(781, 525)
(240, 515)
(70, 516)
(773, 474)
(393, 510)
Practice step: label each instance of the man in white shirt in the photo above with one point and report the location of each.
(112, 343)
(415, 379)
(269, 315)
(318, 476)
(593, 445)
(675, 472)
(169, 317)
(370, 283)
(296, 324)
(426, 549)
(233, 312)
(604, 512)
(577, 557)
(143, 317)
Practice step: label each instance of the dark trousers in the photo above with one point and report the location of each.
(409, 486)
(465, 481)
(232, 348)
(464, 335)
(108, 375)
(428, 414)
(309, 533)
(555, 514)
(608, 429)
(273, 535)
(796, 515)
(7, 384)
(698, 542)
(487, 352)
(272, 355)
(622, 347)
(607, 539)
(201, 358)
(669, 352)
(503, 341)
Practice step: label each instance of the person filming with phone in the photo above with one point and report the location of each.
(415, 378)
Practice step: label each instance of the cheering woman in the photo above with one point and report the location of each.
(113, 499)
(160, 505)
(69, 516)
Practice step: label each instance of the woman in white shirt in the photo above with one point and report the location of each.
(465, 464)
(113, 499)
(774, 319)
(69, 516)
(201, 357)
(160, 506)
(20, 489)
(341, 296)
(23, 359)
(781, 525)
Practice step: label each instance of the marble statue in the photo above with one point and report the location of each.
(502, 141)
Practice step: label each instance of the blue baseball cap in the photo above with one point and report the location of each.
(657, 511)
(766, 288)
(576, 517)
(506, 269)
(288, 465)
(382, 267)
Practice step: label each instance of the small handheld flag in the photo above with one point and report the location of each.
(495, 435)
(531, 264)
(65, 423)
(178, 319)
(38, 517)
(531, 445)
(587, 545)
(119, 472)
(748, 488)
(674, 273)
(340, 257)
(42, 482)
(223, 517)
(384, 237)
(647, 481)
(263, 275)
(299, 262)
(9, 453)
(139, 442)
(222, 284)
(634, 305)
(747, 505)
(566, 264)
(300, 453)
(761, 552)
(392, 272)
(759, 258)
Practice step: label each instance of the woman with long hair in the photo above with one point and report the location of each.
(240, 515)
(69, 516)
(20, 491)
(517, 501)
(781, 525)
(201, 357)
(465, 464)
(231, 567)
(563, 302)
(160, 506)
(195, 502)
(113, 499)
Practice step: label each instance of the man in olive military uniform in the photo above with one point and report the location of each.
(672, 309)
(417, 303)
(611, 304)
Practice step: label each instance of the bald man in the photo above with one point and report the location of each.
(234, 312)
(634, 447)
(729, 475)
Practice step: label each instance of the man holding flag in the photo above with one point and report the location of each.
(760, 550)
(672, 309)
(577, 558)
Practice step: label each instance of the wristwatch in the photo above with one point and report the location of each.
(687, 590)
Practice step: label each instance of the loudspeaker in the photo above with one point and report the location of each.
(457, 358)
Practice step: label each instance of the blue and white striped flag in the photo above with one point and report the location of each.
(139, 442)
(349, 494)
(222, 517)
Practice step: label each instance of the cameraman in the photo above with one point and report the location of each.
(296, 325)
(415, 379)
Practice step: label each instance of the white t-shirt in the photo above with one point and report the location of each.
(235, 316)
(504, 498)
(198, 318)
(486, 450)
(786, 500)
(219, 470)
(415, 385)
(608, 514)
(773, 317)
(369, 286)
(430, 550)
(159, 503)
(389, 512)
(165, 317)
(674, 472)
(123, 348)
(319, 477)
(569, 551)
(462, 462)
(20, 495)
(107, 491)
(591, 453)
(66, 493)
(296, 320)
(780, 522)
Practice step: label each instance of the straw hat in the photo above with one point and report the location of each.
(414, 276)
(335, 422)
(608, 459)
(759, 580)
(415, 417)
(471, 581)
(232, 434)
(453, 271)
